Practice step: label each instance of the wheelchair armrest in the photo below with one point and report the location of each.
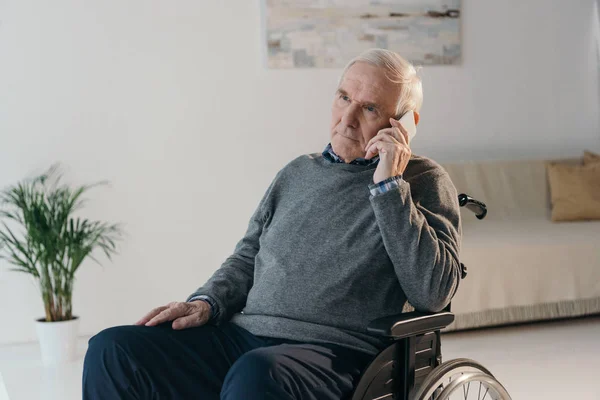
(410, 324)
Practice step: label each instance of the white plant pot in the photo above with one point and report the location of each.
(58, 340)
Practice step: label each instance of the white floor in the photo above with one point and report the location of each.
(558, 360)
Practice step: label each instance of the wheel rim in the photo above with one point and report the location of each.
(448, 377)
(473, 385)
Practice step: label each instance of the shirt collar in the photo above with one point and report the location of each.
(330, 155)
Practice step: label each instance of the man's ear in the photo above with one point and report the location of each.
(417, 117)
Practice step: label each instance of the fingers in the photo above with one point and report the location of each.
(395, 135)
(151, 315)
(382, 136)
(174, 311)
(380, 147)
(384, 133)
(190, 321)
(372, 151)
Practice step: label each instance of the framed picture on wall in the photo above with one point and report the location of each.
(328, 33)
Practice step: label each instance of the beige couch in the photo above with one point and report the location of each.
(521, 266)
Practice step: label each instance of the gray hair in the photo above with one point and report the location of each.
(400, 72)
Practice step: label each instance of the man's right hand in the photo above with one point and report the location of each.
(183, 315)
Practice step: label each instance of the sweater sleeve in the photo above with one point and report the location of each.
(230, 284)
(421, 234)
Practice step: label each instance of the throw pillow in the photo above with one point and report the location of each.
(574, 191)
(590, 158)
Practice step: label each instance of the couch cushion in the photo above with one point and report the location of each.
(511, 189)
(529, 263)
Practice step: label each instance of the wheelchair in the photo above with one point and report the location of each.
(411, 367)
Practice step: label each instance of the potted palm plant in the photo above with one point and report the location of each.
(40, 236)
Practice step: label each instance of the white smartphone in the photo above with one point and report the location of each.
(408, 122)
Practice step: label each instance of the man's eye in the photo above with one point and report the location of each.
(345, 98)
(370, 108)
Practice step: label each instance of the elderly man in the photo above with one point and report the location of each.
(339, 239)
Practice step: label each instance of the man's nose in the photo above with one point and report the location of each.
(350, 117)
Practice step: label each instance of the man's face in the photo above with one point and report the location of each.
(363, 105)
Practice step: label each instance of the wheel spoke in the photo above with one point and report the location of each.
(486, 392)
(479, 392)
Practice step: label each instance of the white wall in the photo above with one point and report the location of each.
(170, 100)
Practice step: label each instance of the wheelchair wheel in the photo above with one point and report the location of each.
(461, 378)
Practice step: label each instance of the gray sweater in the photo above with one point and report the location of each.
(322, 258)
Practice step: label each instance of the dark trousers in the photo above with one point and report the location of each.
(212, 362)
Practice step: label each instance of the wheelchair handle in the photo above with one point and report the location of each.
(478, 207)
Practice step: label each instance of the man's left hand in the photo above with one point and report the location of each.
(394, 152)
